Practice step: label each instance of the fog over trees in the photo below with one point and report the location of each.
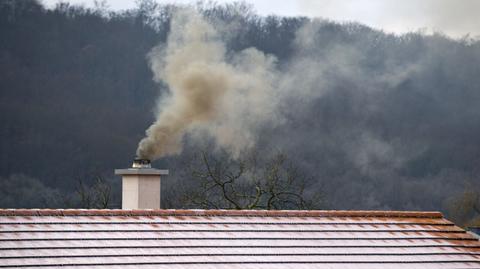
(378, 121)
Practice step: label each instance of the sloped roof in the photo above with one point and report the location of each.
(233, 239)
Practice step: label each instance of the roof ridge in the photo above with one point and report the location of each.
(216, 212)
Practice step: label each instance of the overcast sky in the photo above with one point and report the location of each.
(456, 18)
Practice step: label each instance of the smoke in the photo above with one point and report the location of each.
(226, 97)
(231, 97)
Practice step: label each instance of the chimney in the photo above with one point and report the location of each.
(141, 185)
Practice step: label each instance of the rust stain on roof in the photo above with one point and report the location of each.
(75, 238)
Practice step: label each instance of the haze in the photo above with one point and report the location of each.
(454, 18)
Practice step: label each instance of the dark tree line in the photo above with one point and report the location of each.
(396, 127)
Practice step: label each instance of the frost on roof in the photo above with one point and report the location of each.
(232, 239)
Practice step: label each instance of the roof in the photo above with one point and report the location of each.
(232, 239)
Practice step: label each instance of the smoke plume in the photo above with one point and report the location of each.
(210, 92)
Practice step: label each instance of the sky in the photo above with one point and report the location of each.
(455, 18)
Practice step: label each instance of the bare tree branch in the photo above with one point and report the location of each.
(249, 184)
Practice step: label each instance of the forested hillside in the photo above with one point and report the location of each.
(378, 121)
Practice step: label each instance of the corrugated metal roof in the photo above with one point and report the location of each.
(233, 239)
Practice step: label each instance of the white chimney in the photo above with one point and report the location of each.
(141, 185)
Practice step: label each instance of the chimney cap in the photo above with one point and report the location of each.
(140, 171)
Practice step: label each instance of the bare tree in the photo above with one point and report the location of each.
(84, 194)
(97, 195)
(249, 183)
